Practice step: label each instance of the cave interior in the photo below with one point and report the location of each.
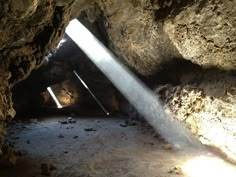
(163, 105)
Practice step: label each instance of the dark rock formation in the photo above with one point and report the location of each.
(29, 29)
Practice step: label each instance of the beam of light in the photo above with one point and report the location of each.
(47, 57)
(91, 93)
(141, 97)
(60, 44)
(59, 106)
(208, 166)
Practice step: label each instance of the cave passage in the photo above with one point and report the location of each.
(96, 147)
(146, 103)
(142, 98)
(130, 88)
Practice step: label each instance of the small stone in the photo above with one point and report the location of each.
(75, 137)
(89, 129)
(167, 147)
(63, 122)
(72, 121)
(176, 170)
(61, 136)
(123, 125)
(133, 123)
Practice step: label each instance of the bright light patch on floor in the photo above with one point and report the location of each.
(59, 106)
(204, 166)
(141, 97)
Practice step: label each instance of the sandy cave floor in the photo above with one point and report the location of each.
(97, 147)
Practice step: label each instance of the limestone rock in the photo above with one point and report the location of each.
(22, 8)
(205, 33)
(148, 34)
(207, 109)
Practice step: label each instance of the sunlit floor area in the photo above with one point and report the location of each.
(102, 147)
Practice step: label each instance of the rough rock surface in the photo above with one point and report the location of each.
(151, 34)
(29, 29)
(148, 34)
(207, 108)
(205, 33)
(6, 107)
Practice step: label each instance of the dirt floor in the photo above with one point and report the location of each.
(102, 147)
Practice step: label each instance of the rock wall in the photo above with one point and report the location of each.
(29, 29)
(207, 107)
(154, 35)
(148, 35)
(205, 33)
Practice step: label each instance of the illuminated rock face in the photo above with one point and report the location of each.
(66, 92)
(150, 33)
(207, 108)
(147, 35)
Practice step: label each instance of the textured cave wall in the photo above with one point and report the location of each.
(152, 36)
(147, 34)
(205, 33)
(206, 106)
(29, 29)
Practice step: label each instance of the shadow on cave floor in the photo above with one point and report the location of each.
(69, 111)
(88, 147)
(93, 147)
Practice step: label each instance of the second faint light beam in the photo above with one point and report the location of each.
(91, 93)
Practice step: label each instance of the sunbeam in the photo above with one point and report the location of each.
(141, 97)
